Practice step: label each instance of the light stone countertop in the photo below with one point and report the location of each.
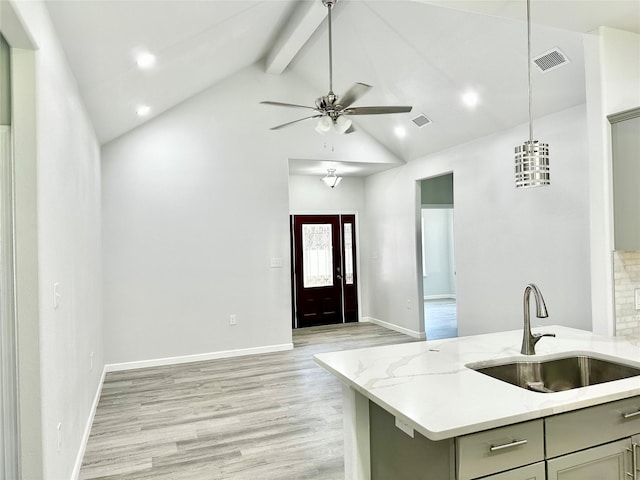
(427, 385)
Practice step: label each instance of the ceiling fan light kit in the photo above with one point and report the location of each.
(332, 109)
(343, 124)
(324, 125)
(532, 157)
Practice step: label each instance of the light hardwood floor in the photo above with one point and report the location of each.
(261, 417)
(440, 319)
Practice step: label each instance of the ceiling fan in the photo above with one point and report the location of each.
(332, 109)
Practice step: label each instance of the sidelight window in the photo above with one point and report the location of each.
(348, 254)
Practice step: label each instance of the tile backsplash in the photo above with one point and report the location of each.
(626, 271)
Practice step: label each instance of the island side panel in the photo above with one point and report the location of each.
(395, 455)
(355, 411)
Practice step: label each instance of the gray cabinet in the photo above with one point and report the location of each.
(589, 427)
(625, 141)
(530, 472)
(499, 449)
(635, 459)
(612, 461)
(595, 443)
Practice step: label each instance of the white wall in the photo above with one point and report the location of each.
(307, 194)
(437, 253)
(195, 204)
(612, 65)
(504, 238)
(59, 201)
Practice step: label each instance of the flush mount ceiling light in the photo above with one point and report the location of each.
(532, 157)
(331, 179)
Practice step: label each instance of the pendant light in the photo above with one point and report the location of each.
(532, 157)
(331, 179)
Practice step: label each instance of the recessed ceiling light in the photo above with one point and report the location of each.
(143, 110)
(401, 132)
(470, 99)
(145, 60)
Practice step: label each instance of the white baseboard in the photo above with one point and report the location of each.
(391, 326)
(440, 297)
(87, 429)
(159, 362)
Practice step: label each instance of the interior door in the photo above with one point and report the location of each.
(318, 286)
(324, 270)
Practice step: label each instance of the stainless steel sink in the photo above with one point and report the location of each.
(559, 374)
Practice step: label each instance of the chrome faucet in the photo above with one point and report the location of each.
(529, 339)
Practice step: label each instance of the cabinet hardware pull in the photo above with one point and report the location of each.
(634, 461)
(630, 415)
(515, 443)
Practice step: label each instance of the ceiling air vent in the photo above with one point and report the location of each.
(550, 60)
(421, 120)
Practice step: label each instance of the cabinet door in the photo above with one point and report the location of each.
(530, 472)
(606, 462)
(625, 139)
(635, 441)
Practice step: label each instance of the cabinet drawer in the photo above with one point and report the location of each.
(499, 449)
(572, 431)
(530, 472)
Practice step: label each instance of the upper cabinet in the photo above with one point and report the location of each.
(625, 140)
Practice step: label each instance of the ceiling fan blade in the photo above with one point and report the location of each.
(354, 93)
(376, 110)
(351, 129)
(281, 104)
(295, 121)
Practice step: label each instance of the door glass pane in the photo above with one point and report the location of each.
(317, 255)
(348, 254)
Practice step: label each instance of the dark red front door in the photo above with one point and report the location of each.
(324, 269)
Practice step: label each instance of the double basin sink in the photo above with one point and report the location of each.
(558, 374)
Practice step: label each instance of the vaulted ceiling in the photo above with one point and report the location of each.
(427, 54)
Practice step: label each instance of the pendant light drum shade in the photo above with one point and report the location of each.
(532, 157)
(532, 164)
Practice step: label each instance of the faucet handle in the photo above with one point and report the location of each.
(538, 336)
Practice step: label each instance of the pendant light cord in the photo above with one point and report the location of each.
(529, 70)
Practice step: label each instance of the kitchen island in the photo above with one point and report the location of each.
(437, 403)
